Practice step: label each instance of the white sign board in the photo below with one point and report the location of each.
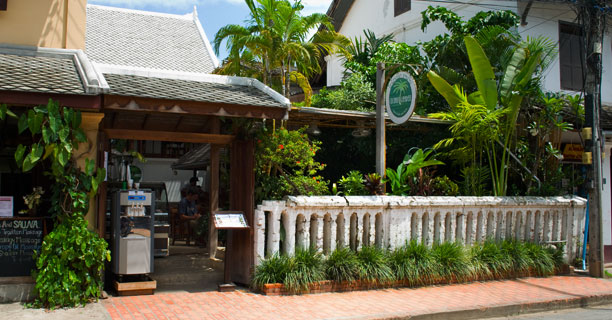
(6, 206)
(230, 220)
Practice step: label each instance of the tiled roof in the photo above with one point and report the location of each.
(148, 40)
(190, 90)
(39, 74)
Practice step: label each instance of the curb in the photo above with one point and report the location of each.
(510, 310)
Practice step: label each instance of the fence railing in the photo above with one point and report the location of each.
(326, 222)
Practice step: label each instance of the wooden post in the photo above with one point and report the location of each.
(214, 190)
(380, 121)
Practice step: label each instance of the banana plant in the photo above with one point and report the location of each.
(503, 94)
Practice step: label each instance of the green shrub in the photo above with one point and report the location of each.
(271, 270)
(70, 264)
(352, 184)
(489, 261)
(355, 93)
(521, 259)
(543, 263)
(374, 265)
(452, 261)
(342, 265)
(307, 266)
(414, 263)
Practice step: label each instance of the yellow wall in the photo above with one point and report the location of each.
(89, 124)
(43, 23)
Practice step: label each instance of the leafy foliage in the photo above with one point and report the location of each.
(355, 93)
(373, 184)
(285, 165)
(69, 266)
(414, 263)
(413, 176)
(353, 184)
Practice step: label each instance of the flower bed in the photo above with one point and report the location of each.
(409, 266)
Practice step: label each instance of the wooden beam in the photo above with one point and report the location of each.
(219, 139)
(215, 153)
(165, 106)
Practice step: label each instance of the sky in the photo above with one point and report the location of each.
(213, 14)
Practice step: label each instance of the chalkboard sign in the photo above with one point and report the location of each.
(18, 240)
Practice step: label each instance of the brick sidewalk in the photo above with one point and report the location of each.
(473, 299)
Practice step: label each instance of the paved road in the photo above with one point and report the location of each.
(589, 313)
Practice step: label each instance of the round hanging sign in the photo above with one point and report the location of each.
(400, 97)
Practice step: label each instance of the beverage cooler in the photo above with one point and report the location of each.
(133, 236)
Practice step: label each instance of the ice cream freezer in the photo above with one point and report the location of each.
(133, 232)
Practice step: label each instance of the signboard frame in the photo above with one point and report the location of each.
(221, 227)
(399, 119)
(4, 212)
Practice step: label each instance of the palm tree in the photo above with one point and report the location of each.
(275, 39)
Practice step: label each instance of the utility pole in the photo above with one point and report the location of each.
(380, 121)
(592, 20)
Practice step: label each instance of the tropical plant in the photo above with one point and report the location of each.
(305, 267)
(373, 184)
(275, 42)
(353, 184)
(71, 260)
(493, 103)
(414, 161)
(342, 265)
(355, 93)
(521, 258)
(285, 165)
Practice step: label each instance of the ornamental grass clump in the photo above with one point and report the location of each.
(489, 261)
(542, 259)
(452, 261)
(374, 265)
(306, 267)
(271, 270)
(342, 265)
(521, 259)
(413, 263)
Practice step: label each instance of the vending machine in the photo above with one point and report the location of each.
(133, 213)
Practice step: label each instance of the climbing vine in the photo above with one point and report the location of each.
(71, 260)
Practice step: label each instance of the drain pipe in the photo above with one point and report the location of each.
(521, 164)
(586, 236)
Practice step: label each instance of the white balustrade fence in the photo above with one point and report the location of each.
(327, 222)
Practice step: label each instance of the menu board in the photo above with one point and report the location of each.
(230, 220)
(18, 240)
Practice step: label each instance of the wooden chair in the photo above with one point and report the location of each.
(180, 228)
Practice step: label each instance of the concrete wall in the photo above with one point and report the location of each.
(44, 23)
(389, 222)
(543, 20)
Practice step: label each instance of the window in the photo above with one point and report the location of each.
(3, 5)
(570, 56)
(401, 6)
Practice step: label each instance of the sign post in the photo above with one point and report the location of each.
(229, 220)
(399, 100)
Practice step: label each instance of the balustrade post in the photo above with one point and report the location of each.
(333, 230)
(290, 231)
(274, 233)
(260, 231)
(320, 231)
